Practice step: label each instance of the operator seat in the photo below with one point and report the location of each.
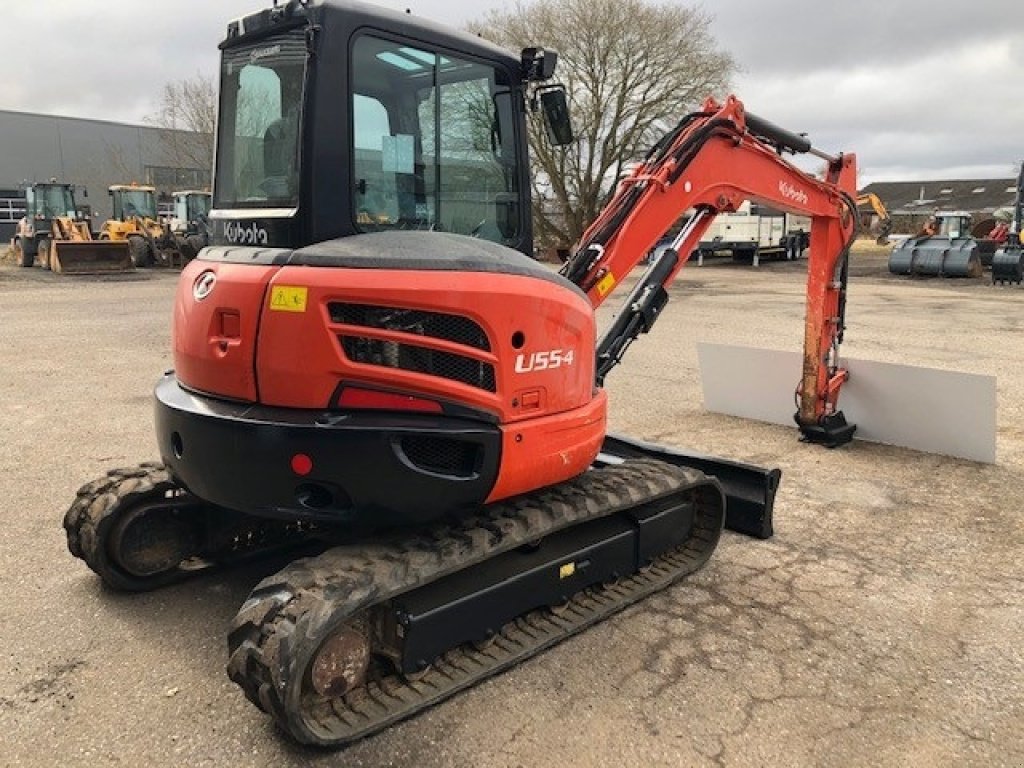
(279, 150)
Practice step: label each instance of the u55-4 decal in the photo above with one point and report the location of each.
(542, 361)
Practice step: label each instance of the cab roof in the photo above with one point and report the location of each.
(351, 14)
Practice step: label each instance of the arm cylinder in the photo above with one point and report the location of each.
(778, 136)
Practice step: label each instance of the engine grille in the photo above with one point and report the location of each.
(442, 456)
(410, 356)
(437, 325)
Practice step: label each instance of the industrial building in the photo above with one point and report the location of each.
(93, 154)
(910, 203)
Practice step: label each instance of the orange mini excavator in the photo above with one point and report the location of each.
(367, 357)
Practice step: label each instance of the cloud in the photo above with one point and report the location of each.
(915, 92)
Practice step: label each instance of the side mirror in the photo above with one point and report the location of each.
(556, 116)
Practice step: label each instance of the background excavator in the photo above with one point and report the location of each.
(884, 220)
(54, 235)
(367, 355)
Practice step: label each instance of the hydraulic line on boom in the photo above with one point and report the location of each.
(711, 162)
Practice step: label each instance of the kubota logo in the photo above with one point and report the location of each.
(793, 193)
(203, 285)
(250, 235)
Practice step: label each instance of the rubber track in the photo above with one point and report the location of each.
(278, 630)
(99, 504)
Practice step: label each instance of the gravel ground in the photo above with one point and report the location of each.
(881, 625)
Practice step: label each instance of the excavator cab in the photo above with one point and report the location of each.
(430, 135)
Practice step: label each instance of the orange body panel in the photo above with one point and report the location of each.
(265, 334)
(214, 338)
(300, 360)
(548, 450)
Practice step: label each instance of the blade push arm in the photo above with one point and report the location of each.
(710, 163)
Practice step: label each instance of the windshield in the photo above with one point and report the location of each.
(54, 201)
(433, 143)
(198, 207)
(258, 126)
(138, 202)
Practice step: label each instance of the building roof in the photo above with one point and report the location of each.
(974, 195)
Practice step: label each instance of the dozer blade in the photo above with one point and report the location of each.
(73, 257)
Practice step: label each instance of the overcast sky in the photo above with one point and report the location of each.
(915, 91)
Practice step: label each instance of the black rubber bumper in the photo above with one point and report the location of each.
(372, 468)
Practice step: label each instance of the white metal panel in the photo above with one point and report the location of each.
(927, 409)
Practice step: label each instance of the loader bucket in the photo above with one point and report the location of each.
(89, 257)
(936, 256)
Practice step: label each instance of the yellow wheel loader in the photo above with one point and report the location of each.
(53, 235)
(135, 222)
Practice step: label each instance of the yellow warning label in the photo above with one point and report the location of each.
(605, 284)
(288, 298)
(567, 570)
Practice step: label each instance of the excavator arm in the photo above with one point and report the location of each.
(710, 163)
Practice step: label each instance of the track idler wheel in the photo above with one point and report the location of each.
(150, 540)
(341, 663)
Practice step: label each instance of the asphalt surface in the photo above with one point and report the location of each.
(880, 626)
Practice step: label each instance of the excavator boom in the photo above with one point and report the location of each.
(710, 163)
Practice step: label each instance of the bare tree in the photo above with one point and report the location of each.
(188, 115)
(631, 69)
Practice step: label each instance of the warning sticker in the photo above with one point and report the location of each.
(288, 298)
(605, 284)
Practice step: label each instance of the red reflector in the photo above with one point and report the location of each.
(302, 464)
(353, 397)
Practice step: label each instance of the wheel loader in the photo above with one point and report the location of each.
(135, 222)
(189, 224)
(367, 357)
(55, 236)
(943, 247)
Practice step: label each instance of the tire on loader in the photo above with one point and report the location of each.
(24, 258)
(139, 249)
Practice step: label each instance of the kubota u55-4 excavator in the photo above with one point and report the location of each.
(366, 354)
